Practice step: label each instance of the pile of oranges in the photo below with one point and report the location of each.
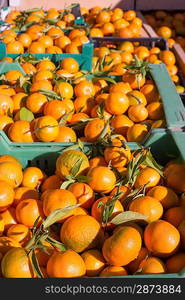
(62, 107)
(47, 32)
(115, 59)
(43, 33)
(168, 25)
(88, 219)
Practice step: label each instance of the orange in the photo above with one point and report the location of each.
(181, 229)
(16, 264)
(96, 32)
(121, 24)
(97, 211)
(55, 32)
(134, 265)
(68, 159)
(94, 113)
(148, 177)
(55, 109)
(125, 32)
(45, 64)
(126, 46)
(62, 42)
(83, 193)
(24, 39)
(120, 124)
(123, 189)
(35, 31)
(167, 57)
(129, 15)
(103, 17)
(164, 32)
(148, 206)
(14, 47)
(27, 212)
(6, 104)
(52, 182)
(94, 262)
(9, 218)
(36, 47)
(167, 197)
(28, 68)
(78, 117)
(66, 135)
(112, 271)
(41, 84)
(22, 193)
(137, 133)
(122, 247)
(84, 104)
(150, 92)
(58, 199)
(20, 132)
(6, 195)
(84, 88)
(35, 102)
(116, 103)
(152, 265)
(97, 161)
(43, 75)
(33, 177)
(6, 90)
(46, 129)
(117, 156)
(161, 238)
(5, 122)
(126, 57)
(66, 264)
(13, 76)
(1, 227)
(7, 244)
(65, 90)
(120, 87)
(175, 215)
(80, 211)
(93, 129)
(18, 101)
(70, 65)
(81, 233)
(174, 175)
(155, 110)
(176, 263)
(19, 233)
(11, 172)
(138, 113)
(101, 179)
(136, 82)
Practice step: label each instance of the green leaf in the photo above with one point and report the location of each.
(57, 214)
(50, 94)
(128, 216)
(27, 25)
(100, 110)
(35, 265)
(82, 178)
(66, 183)
(100, 204)
(63, 120)
(151, 162)
(80, 144)
(56, 244)
(109, 79)
(76, 168)
(104, 131)
(26, 114)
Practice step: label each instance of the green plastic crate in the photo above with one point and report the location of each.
(158, 139)
(84, 59)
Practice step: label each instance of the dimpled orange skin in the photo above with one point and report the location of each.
(167, 197)
(47, 129)
(119, 157)
(93, 129)
(94, 262)
(11, 172)
(59, 198)
(147, 176)
(117, 103)
(102, 179)
(161, 238)
(147, 206)
(83, 193)
(6, 195)
(16, 264)
(66, 264)
(122, 247)
(81, 232)
(152, 265)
